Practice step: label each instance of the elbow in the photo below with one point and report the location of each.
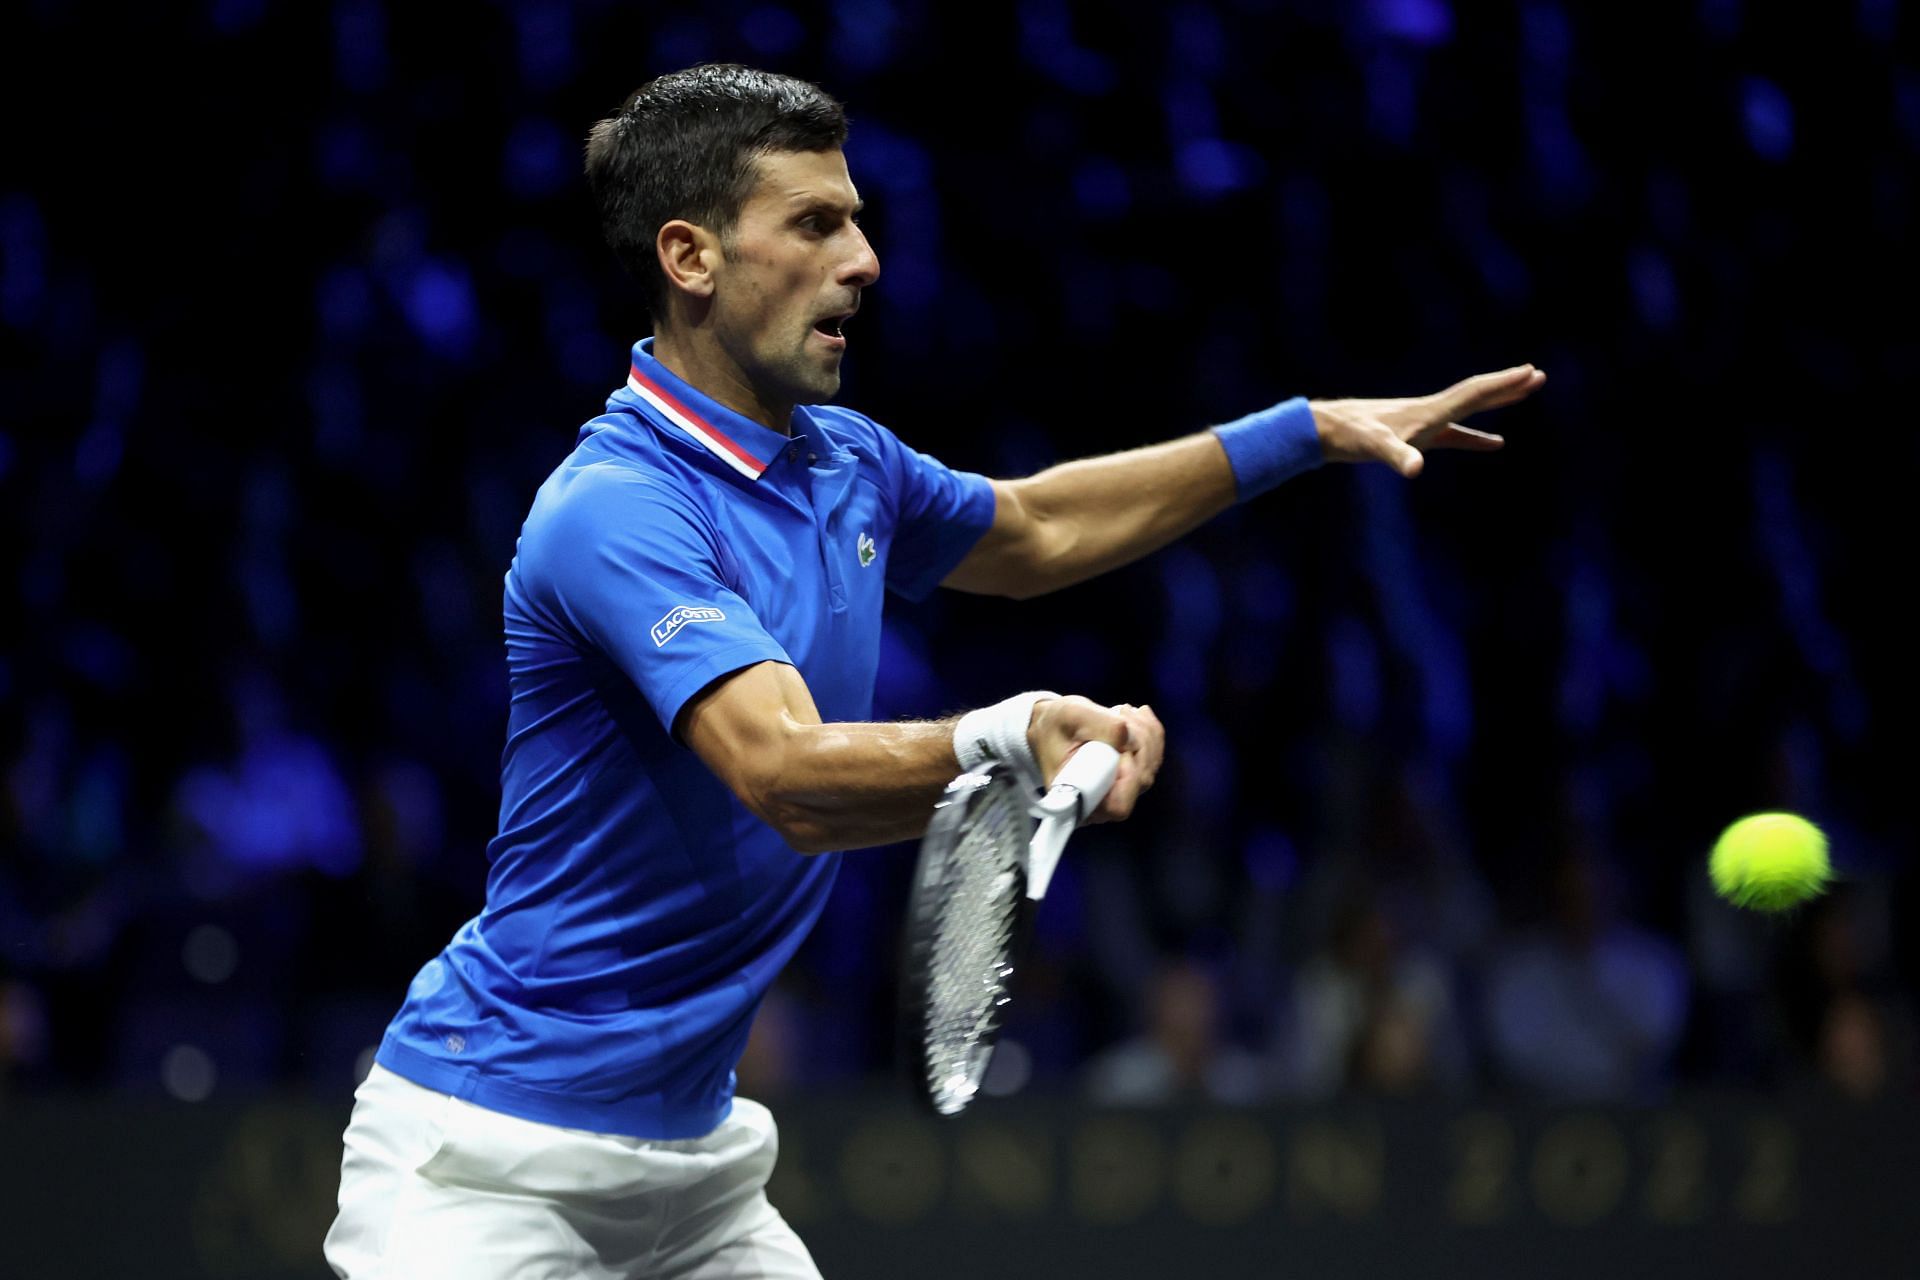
(1043, 562)
(1022, 564)
(1046, 565)
(800, 828)
(770, 791)
(1032, 576)
(809, 839)
(798, 823)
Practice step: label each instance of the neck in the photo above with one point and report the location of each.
(698, 359)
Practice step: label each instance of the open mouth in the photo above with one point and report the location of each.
(833, 328)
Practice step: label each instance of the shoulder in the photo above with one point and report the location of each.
(594, 500)
(588, 491)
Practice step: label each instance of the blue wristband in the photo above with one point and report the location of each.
(1272, 446)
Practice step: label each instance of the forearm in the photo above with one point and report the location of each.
(1096, 514)
(1079, 519)
(845, 786)
(851, 785)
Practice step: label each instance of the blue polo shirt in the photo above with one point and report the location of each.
(636, 911)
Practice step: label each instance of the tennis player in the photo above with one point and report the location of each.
(693, 625)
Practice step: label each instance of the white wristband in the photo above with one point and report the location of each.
(999, 732)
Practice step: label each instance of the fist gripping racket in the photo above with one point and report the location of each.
(984, 866)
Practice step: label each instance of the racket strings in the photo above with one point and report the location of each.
(972, 937)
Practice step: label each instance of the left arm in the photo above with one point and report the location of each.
(1074, 521)
(1079, 519)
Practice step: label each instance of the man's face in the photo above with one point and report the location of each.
(795, 266)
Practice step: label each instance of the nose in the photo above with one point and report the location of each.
(863, 268)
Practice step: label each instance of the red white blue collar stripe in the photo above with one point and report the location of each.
(717, 441)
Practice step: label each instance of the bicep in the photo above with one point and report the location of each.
(999, 562)
(742, 726)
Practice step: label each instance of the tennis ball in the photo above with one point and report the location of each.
(1770, 861)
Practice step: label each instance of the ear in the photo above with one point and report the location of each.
(689, 256)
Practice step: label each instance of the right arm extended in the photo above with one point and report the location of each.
(846, 786)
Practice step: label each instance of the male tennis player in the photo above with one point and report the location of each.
(693, 623)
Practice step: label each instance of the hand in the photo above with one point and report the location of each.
(1059, 725)
(1397, 432)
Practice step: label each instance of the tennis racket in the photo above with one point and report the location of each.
(984, 865)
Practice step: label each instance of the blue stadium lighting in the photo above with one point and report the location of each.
(772, 32)
(1212, 167)
(1768, 115)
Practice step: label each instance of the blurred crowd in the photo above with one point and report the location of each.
(298, 305)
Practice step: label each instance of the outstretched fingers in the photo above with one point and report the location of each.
(1485, 391)
(1452, 435)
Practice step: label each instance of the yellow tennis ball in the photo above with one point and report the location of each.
(1770, 861)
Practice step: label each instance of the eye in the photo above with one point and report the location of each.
(825, 222)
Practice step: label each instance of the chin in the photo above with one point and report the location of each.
(814, 385)
(799, 378)
(824, 389)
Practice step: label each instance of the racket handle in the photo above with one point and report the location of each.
(1082, 782)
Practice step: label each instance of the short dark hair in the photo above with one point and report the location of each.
(686, 145)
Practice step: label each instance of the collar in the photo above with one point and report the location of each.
(735, 439)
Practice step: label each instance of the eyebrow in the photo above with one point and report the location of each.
(807, 202)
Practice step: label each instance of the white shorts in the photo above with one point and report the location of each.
(433, 1187)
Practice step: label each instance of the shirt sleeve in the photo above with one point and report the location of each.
(940, 514)
(638, 577)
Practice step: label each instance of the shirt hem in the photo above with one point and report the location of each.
(646, 1115)
(704, 670)
(974, 518)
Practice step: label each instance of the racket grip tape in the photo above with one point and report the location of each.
(1082, 782)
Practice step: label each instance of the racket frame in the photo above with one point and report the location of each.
(1077, 790)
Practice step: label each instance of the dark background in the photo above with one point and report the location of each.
(300, 303)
